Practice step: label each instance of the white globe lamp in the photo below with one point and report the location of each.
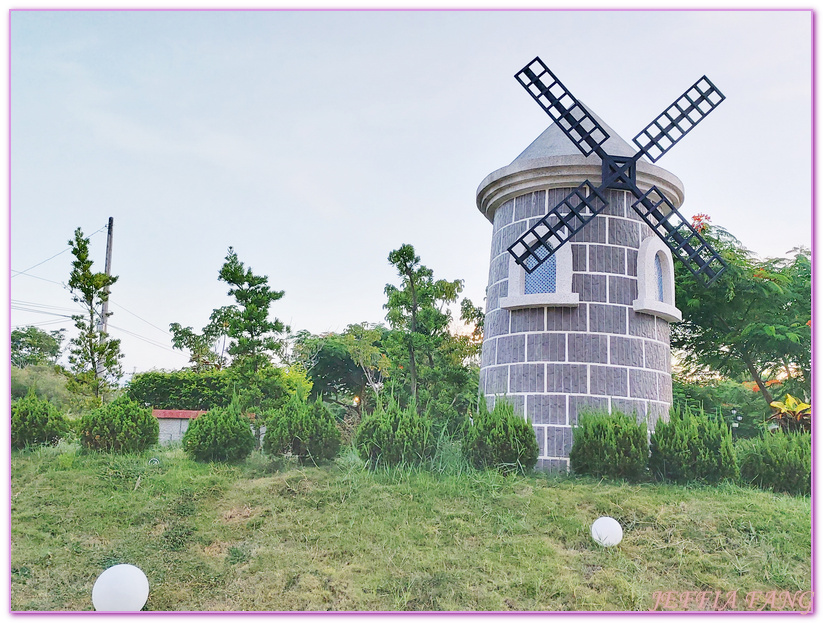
(121, 588)
(607, 531)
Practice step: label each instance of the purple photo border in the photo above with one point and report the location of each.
(457, 614)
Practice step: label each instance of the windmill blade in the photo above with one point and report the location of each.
(561, 223)
(562, 106)
(678, 119)
(685, 242)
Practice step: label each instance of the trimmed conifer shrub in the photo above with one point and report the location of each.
(221, 434)
(613, 445)
(122, 426)
(307, 431)
(778, 461)
(500, 440)
(692, 447)
(392, 435)
(36, 422)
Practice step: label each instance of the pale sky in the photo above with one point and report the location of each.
(315, 143)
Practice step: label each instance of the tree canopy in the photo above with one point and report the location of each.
(31, 346)
(754, 321)
(433, 365)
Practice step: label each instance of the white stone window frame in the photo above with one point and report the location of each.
(647, 290)
(561, 297)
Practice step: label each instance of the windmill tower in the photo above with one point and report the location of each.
(581, 279)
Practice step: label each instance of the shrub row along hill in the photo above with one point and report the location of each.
(390, 435)
(687, 448)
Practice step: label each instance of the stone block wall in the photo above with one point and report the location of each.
(552, 362)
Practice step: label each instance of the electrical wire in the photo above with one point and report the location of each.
(40, 324)
(23, 272)
(143, 338)
(38, 311)
(139, 318)
(43, 305)
(62, 285)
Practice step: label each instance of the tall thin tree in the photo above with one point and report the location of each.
(94, 355)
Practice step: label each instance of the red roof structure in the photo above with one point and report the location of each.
(175, 414)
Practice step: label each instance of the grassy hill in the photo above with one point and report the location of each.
(268, 535)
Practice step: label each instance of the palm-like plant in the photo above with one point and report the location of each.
(792, 415)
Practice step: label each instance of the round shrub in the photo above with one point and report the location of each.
(500, 440)
(305, 430)
(121, 426)
(36, 422)
(777, 461)
(394, 436)
(612, 445)
(222, 434)
(692, 447)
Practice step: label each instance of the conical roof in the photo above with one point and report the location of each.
(553, 142)
(553, 161)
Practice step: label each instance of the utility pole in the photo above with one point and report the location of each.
(104, 314)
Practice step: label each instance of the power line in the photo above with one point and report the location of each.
(40, 324)
(23, 272)
(42, 305)
(20, 272)
(139, 318)
(32, 310)
(144, 339)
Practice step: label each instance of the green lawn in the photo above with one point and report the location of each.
(272, 536)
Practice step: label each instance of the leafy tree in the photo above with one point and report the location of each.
(418, 311)
(202, 347)
(754, 321)
(431, 366)
(31, 346)
(473, 316)
(255, 337)
(94, 356)
(364, 345)
(331, 369)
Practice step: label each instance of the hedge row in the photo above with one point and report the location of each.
(689, 447)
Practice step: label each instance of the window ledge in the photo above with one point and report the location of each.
(553, 299)
(657, 308)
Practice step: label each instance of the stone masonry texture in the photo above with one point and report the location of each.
(554, 363)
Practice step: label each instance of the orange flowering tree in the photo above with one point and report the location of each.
(754, 322)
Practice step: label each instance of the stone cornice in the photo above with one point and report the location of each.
(567, 171)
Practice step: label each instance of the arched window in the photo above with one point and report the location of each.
(655, 281)
(549, 285)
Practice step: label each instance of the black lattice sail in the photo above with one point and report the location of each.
(561, 223)
(568, 217)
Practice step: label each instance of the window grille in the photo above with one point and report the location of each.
(543, 279)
